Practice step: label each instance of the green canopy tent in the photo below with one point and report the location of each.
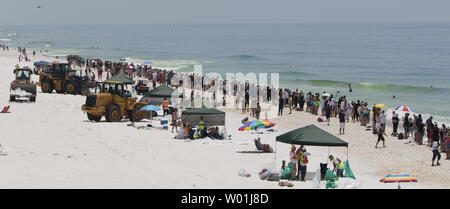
(211, 116)
(157, 95)
(121, 78)
(313, 136)
(196, 102)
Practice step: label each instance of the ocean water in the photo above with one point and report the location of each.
(378, 60)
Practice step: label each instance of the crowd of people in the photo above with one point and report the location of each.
(4, 47)
(248, 96)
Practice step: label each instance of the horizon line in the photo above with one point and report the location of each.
(241, 23)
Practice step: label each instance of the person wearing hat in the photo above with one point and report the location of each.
(338, 166)
(303, 162)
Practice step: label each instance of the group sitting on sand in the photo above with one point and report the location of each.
(200, 131)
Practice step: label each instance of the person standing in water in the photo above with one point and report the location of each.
(350, 88)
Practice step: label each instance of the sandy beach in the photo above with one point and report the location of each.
(51, 144)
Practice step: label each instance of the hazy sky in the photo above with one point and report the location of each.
(14, 12)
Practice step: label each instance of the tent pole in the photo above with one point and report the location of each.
(347, 153)
(275, 152)
(328, 155)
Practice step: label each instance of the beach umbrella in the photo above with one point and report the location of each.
(150, 108)
(326, 95)
(398, 177)
(256, 124)
(381, 106)
(403, 108)
(41, 63)
(147, 63)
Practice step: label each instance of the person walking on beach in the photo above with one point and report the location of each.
(341, 122)
(293, 159)
(381, 134)
(436, 153)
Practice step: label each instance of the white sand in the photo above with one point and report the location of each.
(51, 144)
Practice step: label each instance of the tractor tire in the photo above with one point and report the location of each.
(135, 114)
(94, 118)
(47, 86)
(12, 98)
(113, 113)
(71, 88)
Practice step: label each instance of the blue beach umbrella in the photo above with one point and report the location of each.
(150, 108)
(147, 63)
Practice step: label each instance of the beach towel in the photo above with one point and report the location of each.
(287, 172)
(348, 171)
